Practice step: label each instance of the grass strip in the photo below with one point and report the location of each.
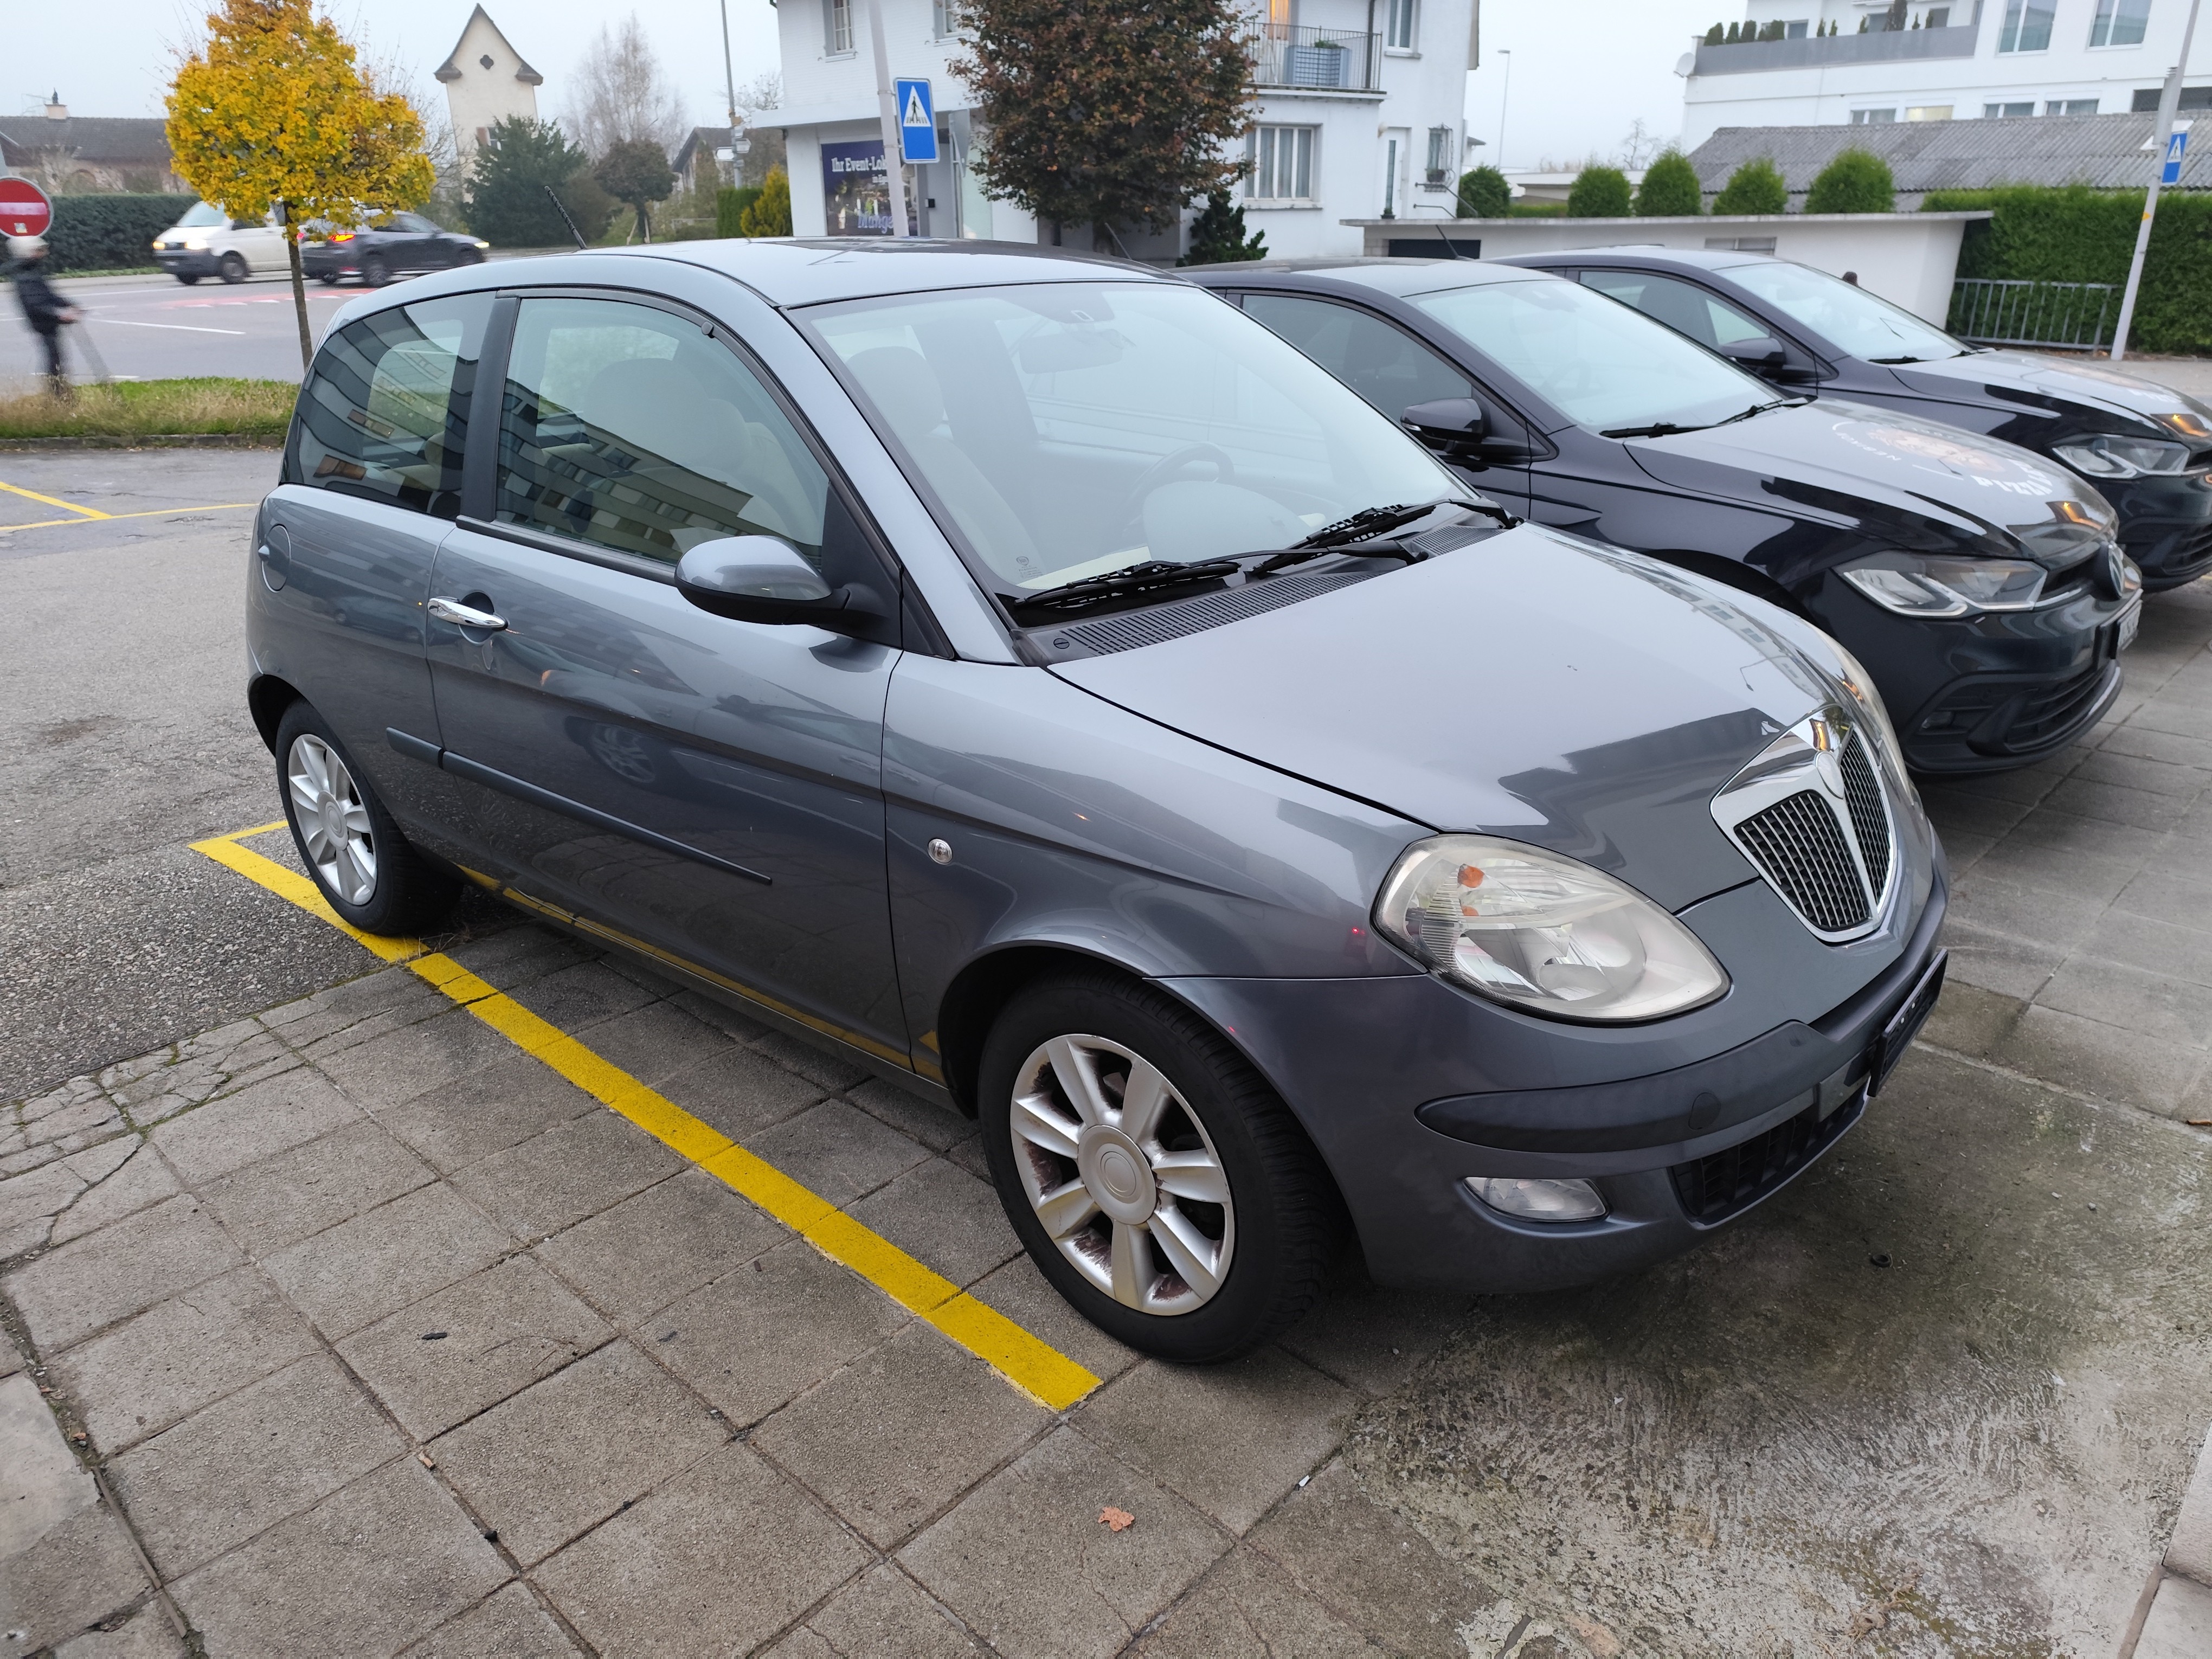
(149, 409)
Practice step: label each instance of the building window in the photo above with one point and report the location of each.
(1439, 170)
(1278, 164)
(2026, 27)
(1936, 17)
(2120, 23)
(1928, 112)
(1873, 117)
(2070, 106)
(945, 18)
(1794, 31)
(1998, 111)
(1398, 26)
(836, 26)
(2145, 101)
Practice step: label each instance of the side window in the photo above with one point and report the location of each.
(385, 414)
(1683, 307)
(1379, 361)
(631, 428)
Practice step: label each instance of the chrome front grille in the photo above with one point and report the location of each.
(1799, 845)
(1812, 814)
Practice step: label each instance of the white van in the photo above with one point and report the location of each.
(209, 242)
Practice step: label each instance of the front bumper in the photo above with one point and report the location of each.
(1990, 692)
(187, 262)
(2165, 525)
(1675, 1152)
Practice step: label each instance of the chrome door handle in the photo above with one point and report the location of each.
(466, 616)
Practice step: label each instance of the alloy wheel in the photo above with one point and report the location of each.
(333, 819)
(1123, 1175)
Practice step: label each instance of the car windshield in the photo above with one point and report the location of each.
(200, 216)
(1072, 430)
(1864, 324)
(1601, 363)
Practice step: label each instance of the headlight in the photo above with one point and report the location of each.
(2107, 455)
(484, 244)
(1934, 584)
(2188, 423)
(1851, 675)
(1541, 932)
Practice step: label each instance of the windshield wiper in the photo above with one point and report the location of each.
(1761, 408)
(1143, 577)
(1365, 525)
(1657, 429)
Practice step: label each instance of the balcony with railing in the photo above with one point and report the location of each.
(1313, 59)
(1826, 51)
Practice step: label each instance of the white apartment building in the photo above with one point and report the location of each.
(1877, 61)
(1360, 112)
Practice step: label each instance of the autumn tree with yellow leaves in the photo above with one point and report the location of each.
(274, 111)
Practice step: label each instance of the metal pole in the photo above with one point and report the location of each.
(894, 167)
(1501, 97)
(2169, 105)
(729, 79)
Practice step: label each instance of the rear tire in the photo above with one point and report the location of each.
(375, 272)
(233, 268)
(1199, 1231)
(356, 853)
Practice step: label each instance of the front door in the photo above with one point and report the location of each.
(705, 789)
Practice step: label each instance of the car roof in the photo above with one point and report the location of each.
(1397, 278)
(1648, 253)
(801, 271)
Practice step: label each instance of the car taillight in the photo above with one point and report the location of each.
(342, 236)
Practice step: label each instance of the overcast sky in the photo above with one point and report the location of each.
(1582, 71)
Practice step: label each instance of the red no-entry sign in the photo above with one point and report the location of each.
(24, 209)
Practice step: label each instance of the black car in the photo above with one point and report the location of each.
(2147, 448)
(1981, 584)
(394, 244)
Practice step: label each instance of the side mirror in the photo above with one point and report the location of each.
(762, 578)
(1761, 355)
(1449, 425)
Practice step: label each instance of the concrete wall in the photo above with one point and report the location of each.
(1909, 259)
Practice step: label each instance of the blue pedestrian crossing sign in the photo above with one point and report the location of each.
(917, 119)
(2176, 145)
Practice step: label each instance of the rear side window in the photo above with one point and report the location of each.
(1683, 307)
(631, 428)
(385, 414)
(1379, 361)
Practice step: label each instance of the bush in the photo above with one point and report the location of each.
(101, 233)
(771, 215)
(1599, 193)
(2073, 234)
(1670, 190)
(1714, 36)
(1856, 181)
(1484, 194)
(1757, 186)
(730, 204)
(1217, 235)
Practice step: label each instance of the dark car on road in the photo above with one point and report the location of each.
(2147, 448)
(1979, 583)
(394, 244)
(1031, 679)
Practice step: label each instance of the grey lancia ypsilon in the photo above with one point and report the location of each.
(1030, 677)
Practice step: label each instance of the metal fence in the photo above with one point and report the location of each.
(1989, 311)
(1292, 55)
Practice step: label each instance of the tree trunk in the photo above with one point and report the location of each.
(299, 286)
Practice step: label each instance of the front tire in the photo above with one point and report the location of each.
(375, 272)
(356, 853)
(233, 268)
(1154, 1178)
(188, 277)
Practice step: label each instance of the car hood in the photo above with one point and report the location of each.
(1532, 685)
(1890, 476)
(2043, 383)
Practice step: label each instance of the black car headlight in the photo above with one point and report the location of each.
(2109, 455)
(1934, 584)
(1542, 932)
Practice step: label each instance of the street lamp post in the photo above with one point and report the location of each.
(2169, 105)
(1503, 97)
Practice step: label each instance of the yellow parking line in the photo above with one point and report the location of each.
(1039, 1369)
(110, 517)
(54, 501)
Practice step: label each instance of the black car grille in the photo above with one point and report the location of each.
(1995, 719)
(1799, 845)
(1724, 1183)
(1863, 792)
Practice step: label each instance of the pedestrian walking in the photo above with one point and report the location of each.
(44, 309)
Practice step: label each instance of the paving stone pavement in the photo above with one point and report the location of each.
(347, 1329)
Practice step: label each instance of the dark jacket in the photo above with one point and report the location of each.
(41, 305)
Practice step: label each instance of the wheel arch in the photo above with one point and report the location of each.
(1734, 572)
(267, 698)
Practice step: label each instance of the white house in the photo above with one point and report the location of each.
(1874, 61)
(1359, 113)
(486, 81)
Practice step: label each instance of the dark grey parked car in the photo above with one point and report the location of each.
(1031, 678)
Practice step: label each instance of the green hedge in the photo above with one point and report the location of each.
(101, 232)
(2077, 234)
